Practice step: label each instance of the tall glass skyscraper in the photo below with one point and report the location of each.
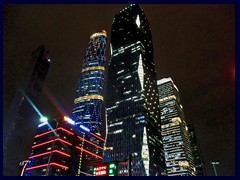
(132, 105)
(197, 156)
(175, 135)
(88, 105)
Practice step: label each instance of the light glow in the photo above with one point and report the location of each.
(43, 119)
(84, 128)
(42, 124)
(70, 121)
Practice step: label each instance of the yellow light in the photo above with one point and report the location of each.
(94, 96)
(94, 68)
(103, 33)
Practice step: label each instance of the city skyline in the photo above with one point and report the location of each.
(194, 49)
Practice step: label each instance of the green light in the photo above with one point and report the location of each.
(110, 171)
(43, 119)
(112, 166)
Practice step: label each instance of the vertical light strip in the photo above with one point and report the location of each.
(140, 70)
(145, 152)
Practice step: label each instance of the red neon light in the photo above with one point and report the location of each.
(56, 164)
(39, 135)
(58, 139)
(60, 152)
(101, 173)
(97, 137)
(42, 143)
(42, 154)
(66, 130)
(101, 170)
(89, 152)
(43, 165)
(35, 167)
(90, 142)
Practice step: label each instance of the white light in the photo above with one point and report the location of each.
(43, 119)
(49, 60)
(42, 124)
(84, 128)
(138, 21)
(70, 121)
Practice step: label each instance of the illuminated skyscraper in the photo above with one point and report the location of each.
(132, 105)
(175, 135)
(20, 124)
(62, 149)
(88, 105)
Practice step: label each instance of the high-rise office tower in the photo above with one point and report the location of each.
(53, 150)
(133, 118)
(20, 123)
(176, 143)
(197, 156)
(62, 149)
(88, 105)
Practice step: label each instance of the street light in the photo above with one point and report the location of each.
(215, 163)
(24, 164)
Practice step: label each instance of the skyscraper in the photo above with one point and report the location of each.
(53, 150)
(176, 143)
(20, 124)
(88, 105)
(197, 156)
(62, 149)
(133, 122)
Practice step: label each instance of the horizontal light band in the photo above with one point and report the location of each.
(94, 96)
(42, 154)
(39, 135)
(58, 139)
(51, 164)
(88, 152)
(97, 137)
(168, 98)
(104, 33)
(90, 142)
(93, 68)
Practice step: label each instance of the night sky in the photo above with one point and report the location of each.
(193, 44)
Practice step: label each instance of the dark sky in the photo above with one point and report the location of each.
(193, 44)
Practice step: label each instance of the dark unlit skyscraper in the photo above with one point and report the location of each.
(21, 122)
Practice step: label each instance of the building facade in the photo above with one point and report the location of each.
(88, 108)
(175, 135)
(62, 149)
(21, 122)
(132, 105)
(197, 156)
